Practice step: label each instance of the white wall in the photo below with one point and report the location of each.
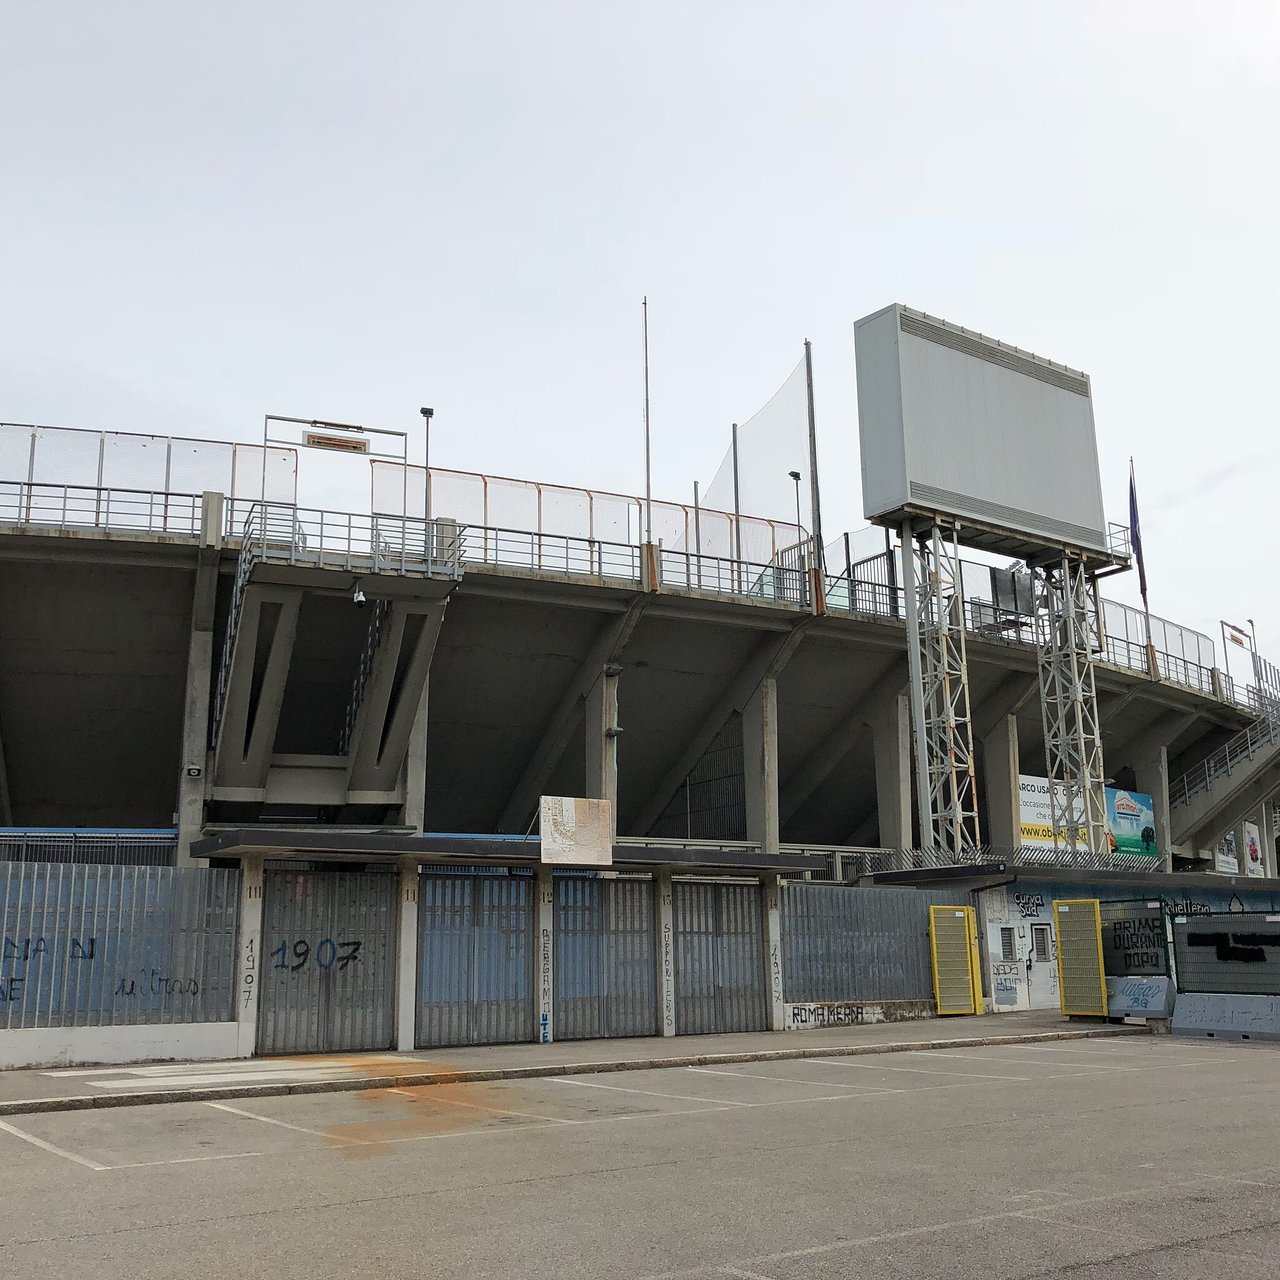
(82, 1046)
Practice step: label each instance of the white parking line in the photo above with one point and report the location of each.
(1028, 1062)
(922, 1071)
(148, 1164)
(1096, 1070)
(477, 1106)
(649, 1093)
(812, 1084)
(284, 1124)
(48, 1146)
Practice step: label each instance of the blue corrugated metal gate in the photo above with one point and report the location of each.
(329, 961)
(719, 961)
(604, 958)
(475, 959)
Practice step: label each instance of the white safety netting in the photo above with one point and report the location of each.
(772, 443)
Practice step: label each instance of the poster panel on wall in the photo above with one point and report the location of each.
(1224, 855)
(1253, 863)
(1131, 819)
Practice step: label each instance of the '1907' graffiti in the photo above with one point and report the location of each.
(326, 954)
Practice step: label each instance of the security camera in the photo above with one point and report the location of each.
(358, 599)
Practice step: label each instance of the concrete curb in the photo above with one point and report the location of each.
(480, 1075)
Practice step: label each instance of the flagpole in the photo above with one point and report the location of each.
(648, 464)
(1135, 538)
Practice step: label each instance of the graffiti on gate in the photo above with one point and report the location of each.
(326, 954)
(668, 968)
(18, 954)
(151, 982)
(544, 1012)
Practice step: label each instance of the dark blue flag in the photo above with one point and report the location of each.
(1135, 535)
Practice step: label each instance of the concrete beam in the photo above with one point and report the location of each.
(248, 730)
(1168, 728)
(760, 765)
(602, 741)
(1008, 700)
(1000, 770)
(388, 710)
(891, 742)
(768, 659)
(818, 765)
(415, 766)
(606, 650)
(193, 768)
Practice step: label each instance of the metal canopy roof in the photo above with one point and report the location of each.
(469, 850)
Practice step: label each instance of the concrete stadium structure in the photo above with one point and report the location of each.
(196, 661)
(357, 714)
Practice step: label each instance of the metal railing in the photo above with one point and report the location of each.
(285, 534)
(777, 583)
(549, 553)
(71, 506)
(1021, 856)
(103, 846)
(1228, 757)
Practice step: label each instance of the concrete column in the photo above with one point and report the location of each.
(1151, 773)
(773, 936)
(543, 1015)
(760, 764)
(666, 954)
(891, 743)
(1000, 781)
(415, 767)
(407, 960)
(252, 961)
(602, 740)
(193, 772)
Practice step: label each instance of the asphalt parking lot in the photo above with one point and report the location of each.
(1130, 1157)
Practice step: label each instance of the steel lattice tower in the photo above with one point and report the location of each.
(1070, 635)
(946, 791)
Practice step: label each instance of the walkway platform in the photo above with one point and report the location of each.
(83, 1088)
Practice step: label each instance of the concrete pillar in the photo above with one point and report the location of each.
(602, 740)
(773, 938)
(415, 768)
(193, 772)
(1151, 773)
(1000, 781)
(544, 1023)
(891, 743)
(407, 960)
(666, 954)
(252, 960)
(760, 764)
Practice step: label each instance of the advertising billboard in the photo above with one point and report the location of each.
(953, 423)
(1131, 818)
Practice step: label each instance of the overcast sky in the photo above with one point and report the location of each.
(348, 211)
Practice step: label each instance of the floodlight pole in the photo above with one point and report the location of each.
(648, 455)
(815, 503)
(427, 415)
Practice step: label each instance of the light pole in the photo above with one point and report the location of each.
(795, 476)
(427, 415)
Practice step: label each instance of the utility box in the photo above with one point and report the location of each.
(957, 425)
